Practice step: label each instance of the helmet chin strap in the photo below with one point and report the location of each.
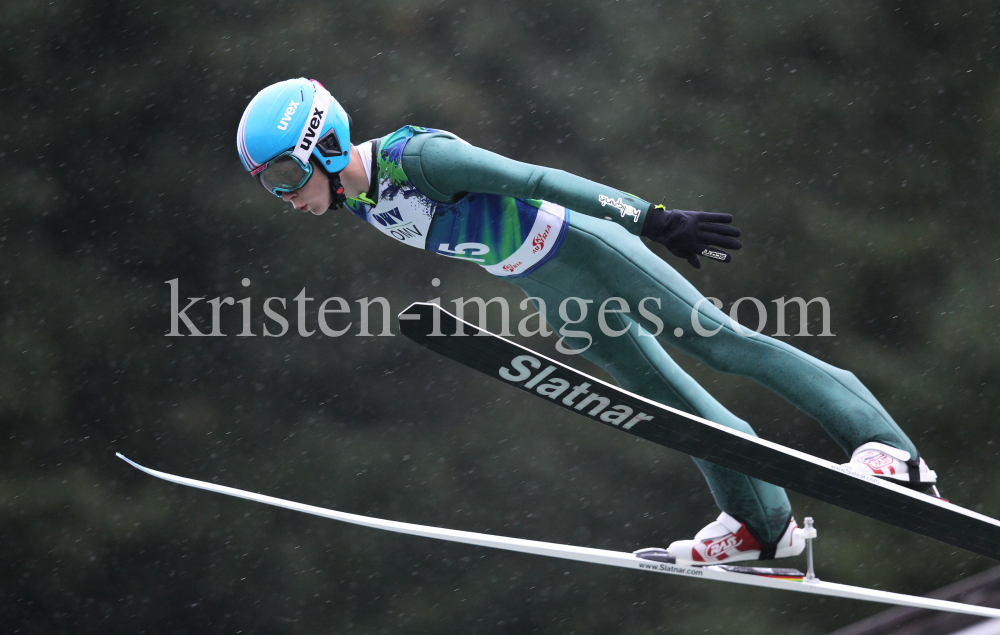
(337, 198)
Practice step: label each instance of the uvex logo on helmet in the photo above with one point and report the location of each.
(292, 107)
(310, 136)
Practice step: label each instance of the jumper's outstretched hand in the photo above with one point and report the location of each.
(691, 234)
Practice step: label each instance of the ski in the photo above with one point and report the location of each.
(784, 579)
(431, 326)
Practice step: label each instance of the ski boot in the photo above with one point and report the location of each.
(728, 540)
(893, 464)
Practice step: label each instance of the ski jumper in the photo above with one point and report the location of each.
(556, 235)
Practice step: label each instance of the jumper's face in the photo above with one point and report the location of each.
(314, 196)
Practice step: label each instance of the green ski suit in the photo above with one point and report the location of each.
(600, 255)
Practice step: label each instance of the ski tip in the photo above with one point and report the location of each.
(129, 461)
(409, 312)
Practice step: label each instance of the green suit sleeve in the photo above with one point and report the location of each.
(445, 168)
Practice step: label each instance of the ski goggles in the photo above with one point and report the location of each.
(284, 173)
(291, 169)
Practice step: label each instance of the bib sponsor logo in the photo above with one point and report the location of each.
(399, 230)
(621, 206)
(391, 217)
(312, 129)
(292, 107)
(404, 217)
(405, 233)
(538, 242)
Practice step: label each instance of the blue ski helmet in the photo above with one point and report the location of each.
(284, 126)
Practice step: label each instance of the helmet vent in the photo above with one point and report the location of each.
(329, 144)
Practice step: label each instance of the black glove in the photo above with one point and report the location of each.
(692, 234)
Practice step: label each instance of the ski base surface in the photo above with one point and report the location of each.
(431, 326)
(752, 576)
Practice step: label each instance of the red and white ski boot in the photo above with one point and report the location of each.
(728, 540)
(892, 464)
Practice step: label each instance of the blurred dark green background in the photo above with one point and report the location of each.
(856, 143)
